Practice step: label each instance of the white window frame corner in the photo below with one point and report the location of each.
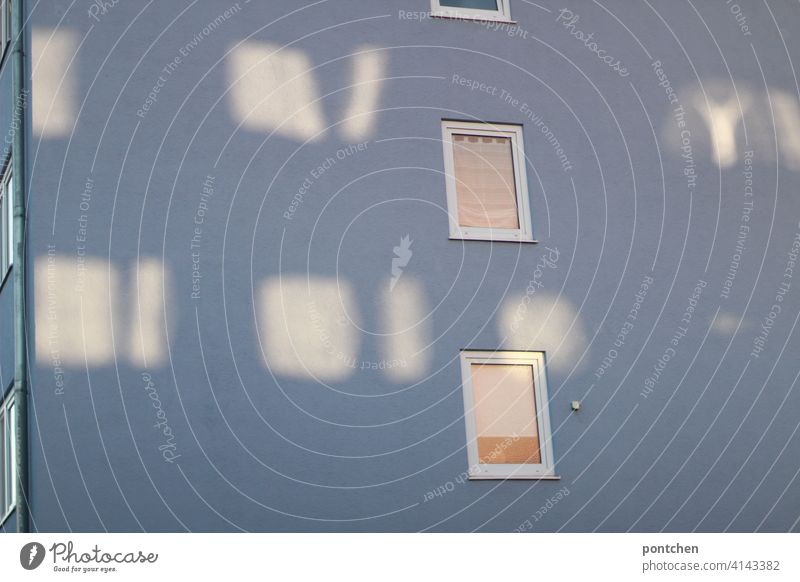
(502, 14)
(515, 132)
(8, 407)
(544, 470)
(6, 219)
(5, 26)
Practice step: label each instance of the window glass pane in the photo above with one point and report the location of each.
(479, 4)
(3, 234)
(485, 188)
(505, 413)
(11, 455)
(3, 499)
(9, 201)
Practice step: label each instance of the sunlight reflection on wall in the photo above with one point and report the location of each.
(272, 88)
(365, 94)
(54, 81)
(721, 116)
(548, 323)
(304, 327)
(147, 340)
(717, 126)
(404, 310)
(73, 310)
(78, 302)
(727, 323)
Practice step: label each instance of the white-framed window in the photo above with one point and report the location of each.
(506, 415)
(8, 431)
(487, 190)
(6, 220)
(5, 26)
(472, 9)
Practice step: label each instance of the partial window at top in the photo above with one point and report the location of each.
(477, 9)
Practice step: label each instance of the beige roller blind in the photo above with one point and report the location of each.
(505, 413)
(485, 188)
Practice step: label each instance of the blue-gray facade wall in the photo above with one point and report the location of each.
(685, 423)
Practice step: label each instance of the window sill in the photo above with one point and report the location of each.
(471, 17)
(509, 477)
(496, 239)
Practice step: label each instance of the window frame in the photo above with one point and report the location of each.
(482, 129)
(543, 470)
(502, 14)
(5, 26)
(6, 220)
(8, 489)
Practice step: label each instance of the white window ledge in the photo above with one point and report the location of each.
(470, 17)
(520, 476)
(496, 239)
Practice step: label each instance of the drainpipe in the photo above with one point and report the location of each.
(20, 325)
